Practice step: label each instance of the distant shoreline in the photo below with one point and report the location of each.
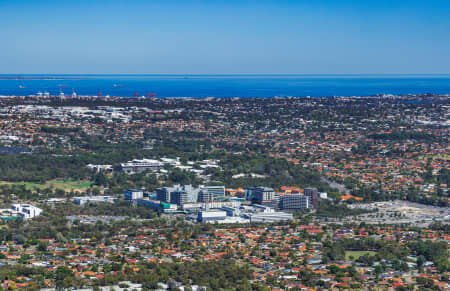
(224, 86)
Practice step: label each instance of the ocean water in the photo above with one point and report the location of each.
(225, 85)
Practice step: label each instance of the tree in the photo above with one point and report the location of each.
(62, 277)
(42, 246)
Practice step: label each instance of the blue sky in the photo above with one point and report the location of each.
(225, 37)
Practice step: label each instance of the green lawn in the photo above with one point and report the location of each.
(67, 185)
(357, 254)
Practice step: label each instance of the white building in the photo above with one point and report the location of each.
(323, 195)
(171, 162)
(133, 194)
(26, 210)
(207, 216)
(262, 208)
(93, 199)
(101, 168)
(271, 216)
(210, 205)
(136, 166)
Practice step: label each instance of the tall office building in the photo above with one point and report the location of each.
(205, 196)
(249, 193)
(294, 202)
(216, 191)
(264, 196)
(163, 194)
(313, 195)
(178, 194)
(179, 197)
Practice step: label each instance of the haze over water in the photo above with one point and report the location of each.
(225, 85)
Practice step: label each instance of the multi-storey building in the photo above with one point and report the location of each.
(205, 196)
(312, 193)
(179, 197)
(26, 210)
(133, 194)
(136, 166)
(216, 191)
(294, 202)
(178, 194)
(264, 196)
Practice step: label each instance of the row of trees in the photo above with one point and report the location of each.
(391, 251)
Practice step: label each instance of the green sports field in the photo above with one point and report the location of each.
(66, 185)
(357, 254)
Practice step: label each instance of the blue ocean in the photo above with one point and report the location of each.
(224, 85)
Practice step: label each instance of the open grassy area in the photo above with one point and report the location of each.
(66, 185)
(357, 254)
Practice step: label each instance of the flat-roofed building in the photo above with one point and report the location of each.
(101, 168)
(133, 194)
(179, 197)
(136, 166)
(264, 196)
(195, 206)
(205, 196)
(178, 194)
(312, 193)
(26, 211)
(206, 216)
(216, 191)
(158, 205)
(294, 202)
(264, 217)
(93, 199)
